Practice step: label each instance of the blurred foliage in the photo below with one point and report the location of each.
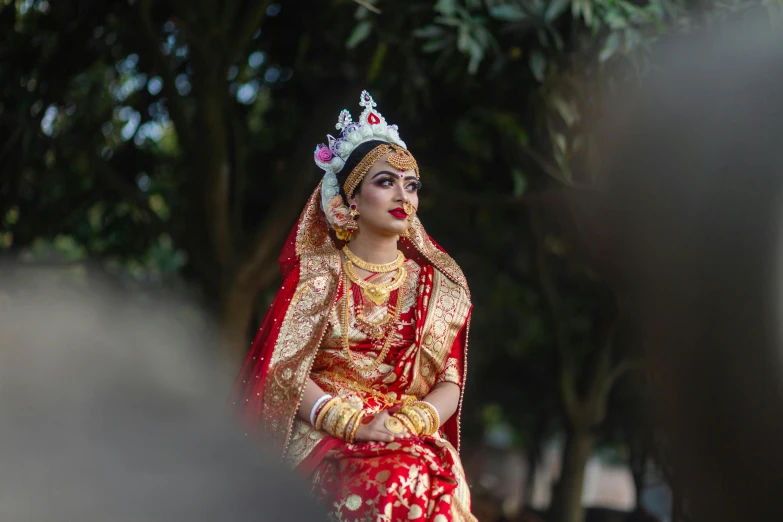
(172, 140)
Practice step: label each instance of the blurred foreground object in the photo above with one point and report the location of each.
(694, 208)
(107, 413)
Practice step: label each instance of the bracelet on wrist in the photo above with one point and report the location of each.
(433, 414)
(317, 407)
(326, 409)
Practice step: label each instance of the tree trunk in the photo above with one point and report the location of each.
(567, 502)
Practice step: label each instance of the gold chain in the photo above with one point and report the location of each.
(346, 325)
(371, 267)
(357, 386)
(377, 293)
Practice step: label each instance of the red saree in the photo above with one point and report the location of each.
(415, 479)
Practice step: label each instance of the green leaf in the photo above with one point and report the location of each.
(377, 62)
(359, 34)
(464, 40)
(507, 123)
(449, 21)
(554, 9)
(560, 142)
(520, 182)
(538, 65)
(446, 7)
(610, 47)
(615, 20)
(508, 13)
(435, 45)
(476, 52)
(428, 31)
(566, 110)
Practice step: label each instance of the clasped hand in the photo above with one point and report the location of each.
(376, 429)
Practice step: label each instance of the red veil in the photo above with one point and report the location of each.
(272, 378)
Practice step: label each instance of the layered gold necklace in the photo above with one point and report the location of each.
(372, 267)
(378, 294)
(382, 331)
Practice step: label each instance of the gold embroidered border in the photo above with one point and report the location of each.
(303, 325)
(447, 313)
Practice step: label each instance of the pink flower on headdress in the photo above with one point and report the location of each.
(322, 153)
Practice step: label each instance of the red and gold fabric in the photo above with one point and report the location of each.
(302, 336)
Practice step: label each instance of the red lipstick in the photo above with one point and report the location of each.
(399, 213)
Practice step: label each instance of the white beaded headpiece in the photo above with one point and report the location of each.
(331, 157)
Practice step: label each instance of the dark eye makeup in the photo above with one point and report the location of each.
(388, 181)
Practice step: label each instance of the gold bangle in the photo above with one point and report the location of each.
(426, 419)
(357, 422)
(319, 421)
(433, 413)
(405, 422)
(332, 418)
(349, 425)
(345, 414)
(418, 420)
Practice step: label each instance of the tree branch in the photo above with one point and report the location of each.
(216, 167)
(368, 6)
(572, 403)
(161, 65)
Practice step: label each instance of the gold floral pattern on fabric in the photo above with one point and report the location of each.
(303, 325)
(304, 439)
(447, 312)
(451, 373)
(415, 479)
(312, 238)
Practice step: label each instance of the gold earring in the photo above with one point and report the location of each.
(352, 225)
(410, 210)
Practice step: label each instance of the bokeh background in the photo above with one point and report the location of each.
(167, 146)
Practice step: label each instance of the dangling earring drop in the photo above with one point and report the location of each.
(409, 209)
(352, 225)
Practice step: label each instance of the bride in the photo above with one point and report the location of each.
(356, 374)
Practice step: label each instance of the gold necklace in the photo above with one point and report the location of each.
(376, 330)
(378, 294)
(347, 323)
(372, 267)
(385, 399)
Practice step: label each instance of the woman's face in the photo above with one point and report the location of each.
(381, 196)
